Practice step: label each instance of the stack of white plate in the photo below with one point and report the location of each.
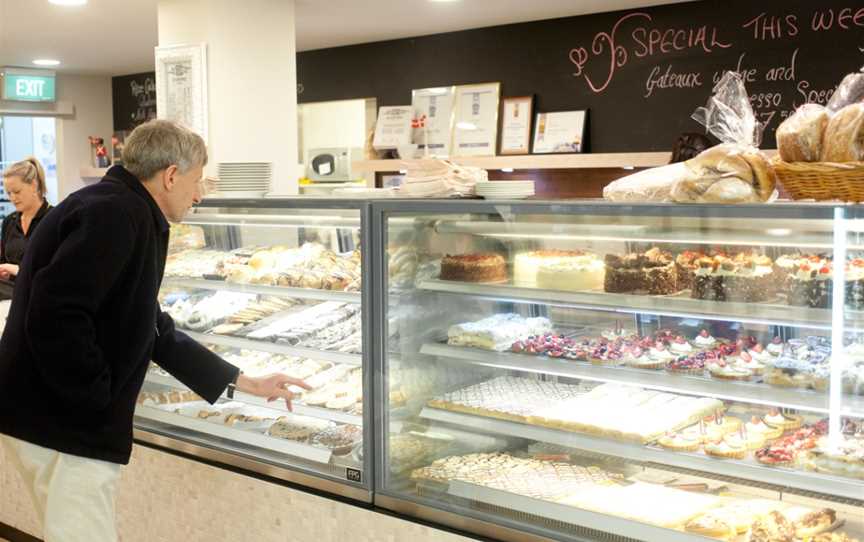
(244, 179)
(505, 189)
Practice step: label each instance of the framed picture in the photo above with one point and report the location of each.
(181, 85)
(561, 132)
(432, 124)
(516, 115)
(475, 132)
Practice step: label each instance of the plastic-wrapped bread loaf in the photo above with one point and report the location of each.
(849, 91)
(799, 138)
(726, 173)
(844, 136)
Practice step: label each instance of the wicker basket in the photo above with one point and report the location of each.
(822, 180)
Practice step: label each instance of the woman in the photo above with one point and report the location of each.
(24, 182)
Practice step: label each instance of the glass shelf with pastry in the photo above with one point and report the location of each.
(608, 382)
(271, 286)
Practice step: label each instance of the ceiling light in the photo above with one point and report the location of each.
(443, 1)
(46, 62)
(466, 126)
(68, 2)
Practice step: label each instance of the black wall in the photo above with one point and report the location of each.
(568, 64)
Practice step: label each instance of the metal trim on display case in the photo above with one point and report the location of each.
(243, 463)
(378, 334)
(468, 520)
(367, 313)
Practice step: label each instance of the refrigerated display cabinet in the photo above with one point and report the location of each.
(272, 286)
(592, 371)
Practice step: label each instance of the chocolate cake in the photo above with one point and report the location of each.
(486, 267)
(651, 272)
(812, 282)
(745, 277)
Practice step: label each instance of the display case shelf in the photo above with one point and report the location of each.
(805, 235)
(660, 305)
(298, 407)
(568, 514)
(317, 221)
(532, 161)
(743, 469)
(251, 438)
(281, 291)
(276, 348)
(730, 390)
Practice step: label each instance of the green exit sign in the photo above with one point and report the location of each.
(29, 85)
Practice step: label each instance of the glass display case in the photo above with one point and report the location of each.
(271, 286)
(591, 371)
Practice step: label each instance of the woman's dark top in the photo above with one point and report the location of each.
(13, 243)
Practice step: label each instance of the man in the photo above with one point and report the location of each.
(84, 324)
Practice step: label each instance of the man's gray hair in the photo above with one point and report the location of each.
(158, 144)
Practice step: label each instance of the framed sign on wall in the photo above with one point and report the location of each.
(181, 85)
(475, 132)
(516, 115)
(560, 132)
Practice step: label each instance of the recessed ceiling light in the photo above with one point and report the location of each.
(46, 62)
(443, 1)
(68, 2)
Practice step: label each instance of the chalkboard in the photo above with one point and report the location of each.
(641, 73)
(134, 100)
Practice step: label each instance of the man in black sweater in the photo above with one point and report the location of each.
(84, 324)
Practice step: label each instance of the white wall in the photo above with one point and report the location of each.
(252, 78)
(91, 96)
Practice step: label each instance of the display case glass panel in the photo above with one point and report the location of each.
(610, 372)
(272, 286)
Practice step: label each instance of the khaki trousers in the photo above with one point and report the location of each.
(73, 496)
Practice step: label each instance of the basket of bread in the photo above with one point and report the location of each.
(821, 148)
(735, 171)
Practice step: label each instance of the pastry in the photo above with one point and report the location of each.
(800, 136)
(773, 527)
(712, 525)
(809, 522)
(693, 365)
(558, 270)
(339, 439)
(844, 135)
(485, 267)
(775, 347)
(746, 362)
(787, 422)
(498, 332)
(846, 458)
(704, 340)
(680, 442)
(297, 428)
(753, 441)
(832, 537)
(651, 272)
(680, 346)
(719, 368)
(757, 426)
(637, 357)
(725, 173)
(726, 450)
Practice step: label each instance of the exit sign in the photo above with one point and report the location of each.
(29, 85)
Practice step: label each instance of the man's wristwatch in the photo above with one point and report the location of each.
(232, 386)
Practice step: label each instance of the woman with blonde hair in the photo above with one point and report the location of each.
(24, 183)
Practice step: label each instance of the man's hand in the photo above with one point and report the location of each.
(272, 387)
(8, 270)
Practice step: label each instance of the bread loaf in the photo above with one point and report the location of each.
(799, 138)
(726, 173)
(849, 91)
(844, 136)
